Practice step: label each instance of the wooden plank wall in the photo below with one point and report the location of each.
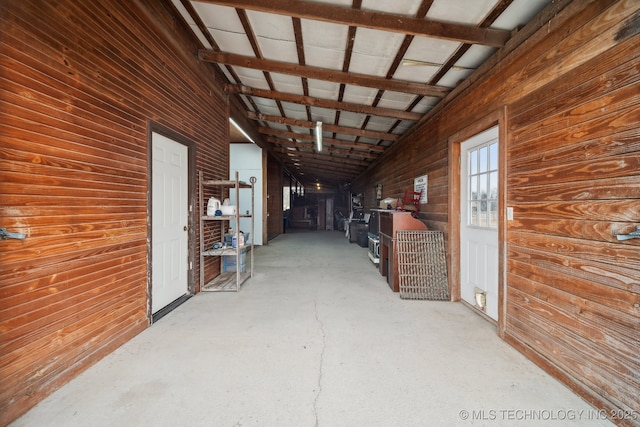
(275, 183)
(574, 182)
(80, 82)
(573, 179)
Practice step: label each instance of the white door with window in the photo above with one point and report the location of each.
(479, 221)
(169, 235)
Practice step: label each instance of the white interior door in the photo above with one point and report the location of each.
(169, 235)
(479, 221)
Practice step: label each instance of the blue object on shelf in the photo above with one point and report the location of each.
(229, 263)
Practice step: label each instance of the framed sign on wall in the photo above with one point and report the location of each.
(420, 184)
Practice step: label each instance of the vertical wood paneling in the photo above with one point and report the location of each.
(573, 162)
(80, 82)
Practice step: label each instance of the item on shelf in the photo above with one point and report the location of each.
(237, 241)
(229, 262)
(387, 203)
(228, 209)
(213, 205)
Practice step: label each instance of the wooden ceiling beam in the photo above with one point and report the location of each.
(321, 73)
(323, 103)
(341, 162)
(326, 174)
(325, 171)
(325, 127)
(315, 174)
(325, 148)
(374, 20)
(325, 141)
(334, 168)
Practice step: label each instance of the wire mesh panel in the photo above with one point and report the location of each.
(422, 265)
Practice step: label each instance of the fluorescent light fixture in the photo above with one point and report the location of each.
(319, 136)
(240, 130)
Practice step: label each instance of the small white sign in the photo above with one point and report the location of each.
(420, 184)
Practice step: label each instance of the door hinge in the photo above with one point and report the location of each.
(190, 265)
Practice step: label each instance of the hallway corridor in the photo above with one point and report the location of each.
(315, 338)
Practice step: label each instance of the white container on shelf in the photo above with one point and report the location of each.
(212, 206)
(228, 209)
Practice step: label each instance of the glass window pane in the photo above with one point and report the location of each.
(493, 156)
(483, 159)
(493, 185)
(473, 213)
(473, 162)
(473, 187)
(483, 185)
(482, 216)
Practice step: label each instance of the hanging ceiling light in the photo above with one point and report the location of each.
(319, 136)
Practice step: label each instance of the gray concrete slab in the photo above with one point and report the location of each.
(315, 338)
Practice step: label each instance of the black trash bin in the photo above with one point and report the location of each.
(363, 239)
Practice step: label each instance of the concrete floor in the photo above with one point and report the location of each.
(316, 338)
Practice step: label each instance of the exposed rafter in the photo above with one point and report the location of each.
(321, 73)
(324, 103)
(374, 20)
(325, 149)
(312, 172)
(326, 141)
(327, 174)
(326, 127)
(344, 161)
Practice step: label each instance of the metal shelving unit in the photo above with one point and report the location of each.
(226, 281)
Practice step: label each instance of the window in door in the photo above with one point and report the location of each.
(482, 203)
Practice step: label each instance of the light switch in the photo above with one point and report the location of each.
(509, 214)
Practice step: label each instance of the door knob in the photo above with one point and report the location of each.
(186, 228)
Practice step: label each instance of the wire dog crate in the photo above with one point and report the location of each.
(422, 265)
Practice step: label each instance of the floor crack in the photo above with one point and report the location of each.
(324, 346)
